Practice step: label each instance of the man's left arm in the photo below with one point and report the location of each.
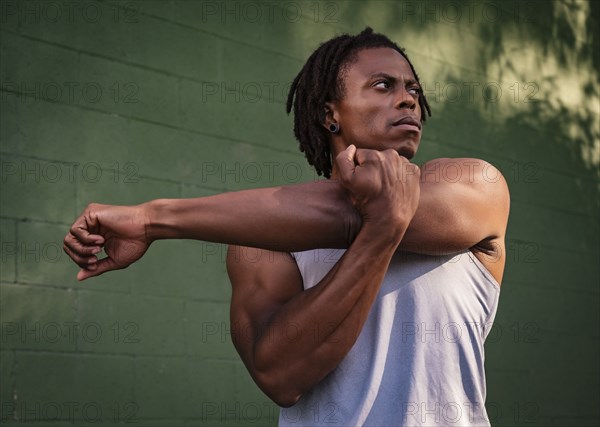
(452, 215)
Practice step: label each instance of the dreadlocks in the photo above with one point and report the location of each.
(320, 81)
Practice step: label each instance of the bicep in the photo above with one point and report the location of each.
(262, 282)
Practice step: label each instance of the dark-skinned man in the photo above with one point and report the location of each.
(389, 331)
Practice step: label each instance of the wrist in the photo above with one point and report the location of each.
(159, 222)
(383, 230)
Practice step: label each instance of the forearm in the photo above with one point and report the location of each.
(327, 318)
(287, 218)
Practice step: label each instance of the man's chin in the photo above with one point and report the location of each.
(407, 151)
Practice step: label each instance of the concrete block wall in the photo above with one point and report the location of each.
(121, 102)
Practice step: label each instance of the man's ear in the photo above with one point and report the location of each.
(331, 114)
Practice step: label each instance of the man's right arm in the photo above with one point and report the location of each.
(327, 318)
(290, 339)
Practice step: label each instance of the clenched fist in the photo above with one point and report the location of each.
(120, 230)
(383, 186)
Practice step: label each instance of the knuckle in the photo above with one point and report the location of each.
(92, 207)
(390, 152)
(369, 154)
(378, 156)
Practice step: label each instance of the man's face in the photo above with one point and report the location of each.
(380, 106)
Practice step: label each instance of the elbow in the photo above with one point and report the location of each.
(286, 401)
(278, 388)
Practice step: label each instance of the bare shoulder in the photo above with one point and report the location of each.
(481, 188)
(262, 281)
(462, 169)
(244, 260)
(273, 273)
(475, 174)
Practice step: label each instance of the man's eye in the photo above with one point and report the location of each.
(415, 90)
(383, 84)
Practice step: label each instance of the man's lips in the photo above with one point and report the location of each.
(408, 120)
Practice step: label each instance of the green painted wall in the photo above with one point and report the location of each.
(122, 102)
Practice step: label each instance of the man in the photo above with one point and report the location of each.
(380, 336)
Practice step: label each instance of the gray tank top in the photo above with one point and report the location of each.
(419, 357)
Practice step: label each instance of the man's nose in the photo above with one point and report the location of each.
(405, 100)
